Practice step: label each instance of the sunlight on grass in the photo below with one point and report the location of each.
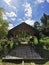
(32, 63)
(6, 63)
(47, 63)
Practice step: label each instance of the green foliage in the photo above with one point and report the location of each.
(0, 46)
(10, 42)
(35, 40)
(4, 48)
(44, 20)
(45, 42)
(45, 24)
(3, 28)
(3, 25)
(24, 37)
(44, 27)
(17, 43)
(1, 12)
(37, 25)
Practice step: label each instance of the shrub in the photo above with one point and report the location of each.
(35, 40)
(10, 42)
(45, 42)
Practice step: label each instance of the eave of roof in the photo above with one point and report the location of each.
(25, 24)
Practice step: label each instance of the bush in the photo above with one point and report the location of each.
(35, 40)
(10, 42)
(45, 42)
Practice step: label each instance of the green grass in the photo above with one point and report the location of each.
(6, 63)
(47, 63)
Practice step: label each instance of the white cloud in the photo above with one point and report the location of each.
(12, 6)
(48, 1)
(10, 26)
(28, 10)
(30, 22)
(40, 1)
(28, 14)
(13, 19)
(8, 2)
(11, 14)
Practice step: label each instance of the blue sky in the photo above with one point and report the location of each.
(29, 11)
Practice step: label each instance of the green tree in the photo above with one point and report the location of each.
(3, 24)
(45, 20)
(1, 12)
(45, 24)
(37, 25)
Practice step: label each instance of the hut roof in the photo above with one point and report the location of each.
(24, 52)
(24, 27)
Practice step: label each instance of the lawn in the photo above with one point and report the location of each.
(6, 63)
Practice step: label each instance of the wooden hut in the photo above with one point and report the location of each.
(23, 27)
